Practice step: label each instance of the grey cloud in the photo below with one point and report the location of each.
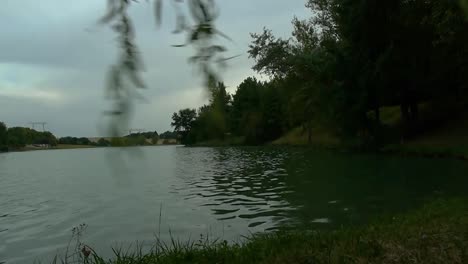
(55, 47)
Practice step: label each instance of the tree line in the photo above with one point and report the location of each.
(15, 138)
(339, 69)
(19, 137)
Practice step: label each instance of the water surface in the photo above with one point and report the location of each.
(133, 194)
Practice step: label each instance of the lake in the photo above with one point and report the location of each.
(134, 194)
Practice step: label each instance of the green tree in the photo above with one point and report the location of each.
(118, 142)
(102, 142)
(17, 137)
(353, 57)
(3, 137)
(246, 100)
(183, 122)
(168, 135)
(272, 114)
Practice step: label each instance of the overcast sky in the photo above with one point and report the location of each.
(54, 58)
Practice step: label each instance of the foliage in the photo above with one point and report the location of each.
(168, 135)
(342, 66)
(436, 233)
(19, 137)
(102, 142)
(118, 142)
(183, 121)
(352, 57)
(74, 141)
(254, 112)
(144, 138)
(3, 137)
(348, 59)
(126, 73)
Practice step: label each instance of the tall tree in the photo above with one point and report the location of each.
(3, 136)
(183, 121)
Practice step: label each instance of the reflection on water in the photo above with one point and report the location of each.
(234, 183)
(223, 192)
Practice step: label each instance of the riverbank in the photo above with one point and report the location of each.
(435, 233)
(64, 146)
(432, 145)
(60, 146)
(441, 138)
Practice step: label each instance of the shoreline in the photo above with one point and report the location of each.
(392, 150)
(26, 149)
(62, 147)
(437, 232)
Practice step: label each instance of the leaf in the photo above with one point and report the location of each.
(218, 48)
(111, 12)
(158, 11)
(228, 58)
(113, 81)
(180, 24)
(194, 36)
(223, 35)
(136, 80)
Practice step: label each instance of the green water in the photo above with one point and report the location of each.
(128, 195)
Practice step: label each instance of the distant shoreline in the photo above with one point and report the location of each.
(64, 146)
(60, 146)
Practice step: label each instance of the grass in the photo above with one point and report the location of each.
(448, 139)
(441, 137)
(436, 233)
(299, 137)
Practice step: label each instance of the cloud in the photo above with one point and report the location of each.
(54, 58)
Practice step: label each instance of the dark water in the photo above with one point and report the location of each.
(221, 192)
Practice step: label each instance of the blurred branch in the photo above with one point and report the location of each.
(125, 75)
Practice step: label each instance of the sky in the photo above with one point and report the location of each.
(54, 58)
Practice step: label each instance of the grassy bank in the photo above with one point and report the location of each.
(299, 137)
(436, 233)
(449, 140)
(440, 137)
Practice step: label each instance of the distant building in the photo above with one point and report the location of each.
(38, 146)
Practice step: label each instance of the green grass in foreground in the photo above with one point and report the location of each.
(437, 233)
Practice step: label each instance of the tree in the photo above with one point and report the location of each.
(118, 142)
(102, 142)
(340, 67)
(353, 57)
(272, 114)
(246, 100)
(183, 121)
(3, 136)
(17, 137)
(218, 112)
(168, 135)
